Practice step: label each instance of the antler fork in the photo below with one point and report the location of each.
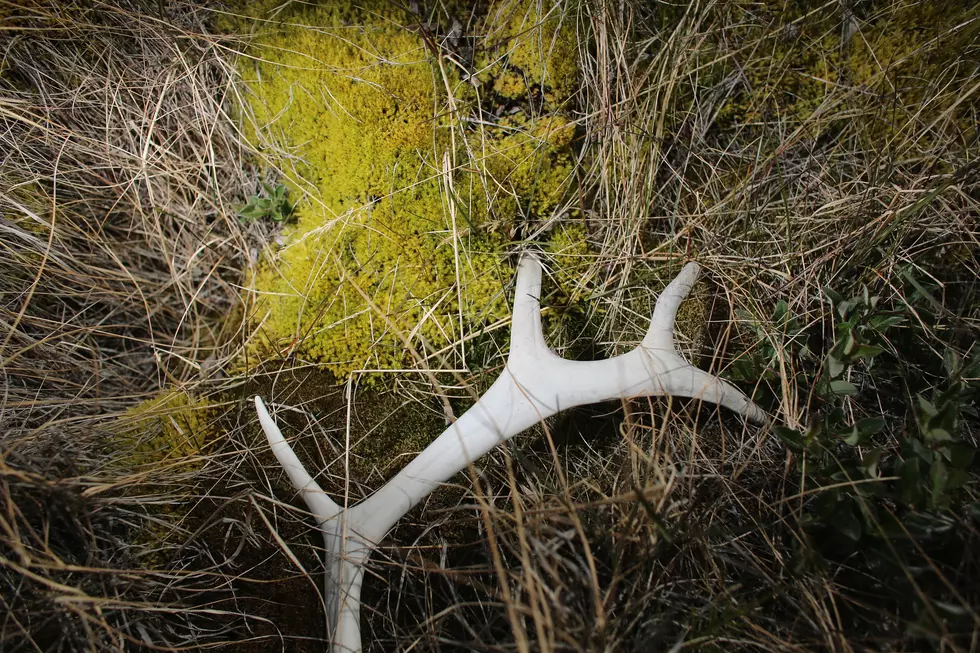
(535, 384)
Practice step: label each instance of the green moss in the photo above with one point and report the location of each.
(393, 432)
(538, 49)
(569, 247)
(896, 56)
(567, 324)
(529, 163)
(377, 255)
(29, 203)
(905, 57)
(170, 427)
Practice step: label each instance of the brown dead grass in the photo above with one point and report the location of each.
(652, 525)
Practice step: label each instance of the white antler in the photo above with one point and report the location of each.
(535, 384)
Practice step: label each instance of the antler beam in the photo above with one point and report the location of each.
(535, 384)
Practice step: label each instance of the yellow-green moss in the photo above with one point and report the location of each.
(569, 249)
(29, 203)
(172, 429)
(529, 164)
(376, 255)
(538, 48)
(169, 427)
(797, 62)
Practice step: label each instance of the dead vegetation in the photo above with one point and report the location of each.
(788, 147)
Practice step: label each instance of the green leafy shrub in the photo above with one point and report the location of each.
(887, 461)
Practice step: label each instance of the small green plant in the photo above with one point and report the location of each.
(932, 456)
(273, 206)
(886, 462)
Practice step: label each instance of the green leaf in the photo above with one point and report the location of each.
(971, 372)
(956, 478)
(926, 407)
(939, 475)
(936, 435)
(910, 481)
(870, 462)
(826, 503)
(815, 432)
(841, 387)
(945, 419)
(882, 323)
(954, 394)
(847, 522)
(790, 437)
(780, 313)
(862, 431)
(866, 351)
(846, 343)
(834, 366)
(836, 416)
(921, 451)
(832, 295)
(853, 436)
(959, 455)
(871, 425)
(251, 212)
(951, 361)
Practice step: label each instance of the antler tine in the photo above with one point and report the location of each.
(681, 378)
(526, 334)
(660, 334)
(322, 506)
(689, 381)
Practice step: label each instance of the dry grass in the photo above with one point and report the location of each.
(651, 525)
(121, 257)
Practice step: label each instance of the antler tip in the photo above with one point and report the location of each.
(756, 414)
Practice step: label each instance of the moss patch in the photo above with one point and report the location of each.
(170, 427)
(390, 246)
(882, 64)
(537, 51)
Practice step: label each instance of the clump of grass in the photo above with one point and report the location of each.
(121, 253)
